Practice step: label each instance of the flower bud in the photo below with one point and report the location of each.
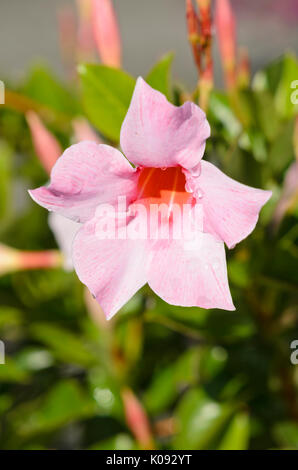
(13, 260)
(106, 32)
(226, 32)
(46, 146)
(136, 419)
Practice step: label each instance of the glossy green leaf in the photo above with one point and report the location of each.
(281, 152)
(170, 381)
(12, 372)
(267, 115)
(105, 391)
(65, 403)
(106, 95)
(286, 98)
(200, 421)
(44, 88)
(6, 159)
(159, 76)
(221, 112)
(286, 434)
(64, 345)
(237, 434)
(118, 442)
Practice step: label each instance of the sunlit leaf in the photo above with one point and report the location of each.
(63, 404)
(237, 434)
(106, 94)
(200, 421)
(65, 345)
(159, 76)
(286, 98)
(43, 87)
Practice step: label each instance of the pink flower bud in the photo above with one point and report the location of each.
(85, 40)
(106, 32)
(193, 28)
(46, 146)
(83, 131)
(136, 419)
(12, 260)
(226, 31)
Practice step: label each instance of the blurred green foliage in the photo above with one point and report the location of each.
(208, 379)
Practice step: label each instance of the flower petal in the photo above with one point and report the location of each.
(156, 133)
(85, 176)
(231, 209)
(64, 231)
(113, 269)
(191, 273)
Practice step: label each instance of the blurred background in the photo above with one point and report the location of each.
(156, 376)
(29, 32)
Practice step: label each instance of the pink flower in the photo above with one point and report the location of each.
(166, 144)
(64, 231)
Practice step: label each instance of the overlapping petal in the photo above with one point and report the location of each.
(156, 133)
(191, 273)
(64, 231)
(113, 269)
(86, 175)
(231, 209)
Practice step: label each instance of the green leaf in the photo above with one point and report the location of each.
(64, 345)
(159, 77)
(9, 317)
(33, 359)
(118, 442)
(268, 78)
(43, 87)
(267, 115)
(286, 434)
(5, 183)
(12, 372)
(176, 317)
(281, 152)
(5, 403)
(106, 94)
(237, 435)
(105, 392)
(65, 403)
(239, 272)
(200, 420)
(221, 112)
(285, 94)
(168, 382)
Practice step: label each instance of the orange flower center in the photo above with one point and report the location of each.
(163, 186)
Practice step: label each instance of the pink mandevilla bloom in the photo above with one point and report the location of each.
(166, 144)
